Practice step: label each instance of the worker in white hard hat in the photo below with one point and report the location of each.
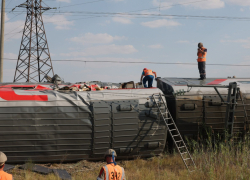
(111, 171)
(4, 175)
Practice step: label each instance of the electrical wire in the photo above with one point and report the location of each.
(8, 4)
(135, 15)
(81, 3)
(142, 62)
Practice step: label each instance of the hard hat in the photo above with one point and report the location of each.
(200, 45)
(3, 158)
(109, 152)
(144, 69)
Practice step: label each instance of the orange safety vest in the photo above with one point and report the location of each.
(148, 72)
(5, 176)
(113, 172)
(202, 57)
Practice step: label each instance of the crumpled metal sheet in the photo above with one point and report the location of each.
(8, 167)
(36, 168)
(63, 174)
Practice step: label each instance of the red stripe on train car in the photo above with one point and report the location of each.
(217, 81)
(9, 95)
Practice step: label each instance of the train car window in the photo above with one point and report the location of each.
(152, 145)
(215, 102)
(124, 107)
(23, 88)
(244, 82)
(189, 106)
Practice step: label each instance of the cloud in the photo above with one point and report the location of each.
(183, 42)
(117, 0)
(67, 1)
(156, 46)
(210, 4)
(90, 38)
(10, 56)
(245, 43)
(122, 20)
(59, 21)
(160, 23)
(103, 50)
(5, 17)
(239, 2)
(13, 30)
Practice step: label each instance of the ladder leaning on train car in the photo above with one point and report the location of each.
(175, 135)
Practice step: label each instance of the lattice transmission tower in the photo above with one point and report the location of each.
(34, 61)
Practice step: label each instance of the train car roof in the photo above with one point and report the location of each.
(173, 85)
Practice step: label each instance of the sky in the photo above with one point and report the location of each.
(165, 31)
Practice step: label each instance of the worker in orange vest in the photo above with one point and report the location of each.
(149, 76)
(111, 171)
(4, 175)
(202, 53)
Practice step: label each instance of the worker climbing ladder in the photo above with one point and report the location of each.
(175, 134)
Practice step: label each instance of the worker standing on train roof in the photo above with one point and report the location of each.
(111, 171)
(149, 76)
(202, 53)
(4, 175)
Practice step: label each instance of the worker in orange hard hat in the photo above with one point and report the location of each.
(4, 175)
(149, 77)
(202, 53)
(111, 171)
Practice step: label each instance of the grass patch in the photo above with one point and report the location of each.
(214, 161)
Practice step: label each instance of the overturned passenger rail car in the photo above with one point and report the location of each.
(44, 125)
(196, 107)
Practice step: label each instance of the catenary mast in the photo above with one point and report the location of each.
(34, 61)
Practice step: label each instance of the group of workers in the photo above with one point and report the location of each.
(111, 171)
(148, 74)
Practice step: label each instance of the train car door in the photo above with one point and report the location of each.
(101, 128)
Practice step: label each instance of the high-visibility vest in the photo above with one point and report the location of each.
(148, 72)
(5, 176)
(202, 57)
(113, 172)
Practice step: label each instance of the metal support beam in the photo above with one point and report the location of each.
(2, 40)
(222, 100)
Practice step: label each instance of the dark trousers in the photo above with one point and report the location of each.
(202, 69)
(150, 79)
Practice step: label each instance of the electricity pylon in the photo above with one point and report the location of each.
(34, 61)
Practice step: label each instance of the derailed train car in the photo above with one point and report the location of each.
(40, 124)
(196, 107)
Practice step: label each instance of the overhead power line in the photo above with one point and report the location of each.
(137, 62)
(149, 15)
(81, 3)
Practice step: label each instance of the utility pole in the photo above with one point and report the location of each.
(2, 40)
(34, 62)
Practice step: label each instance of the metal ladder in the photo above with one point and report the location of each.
(231, 103)
(176, 136)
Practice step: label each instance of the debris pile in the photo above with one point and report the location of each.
(97, 86)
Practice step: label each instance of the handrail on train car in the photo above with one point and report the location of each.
(233, 90)
(215, 88)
